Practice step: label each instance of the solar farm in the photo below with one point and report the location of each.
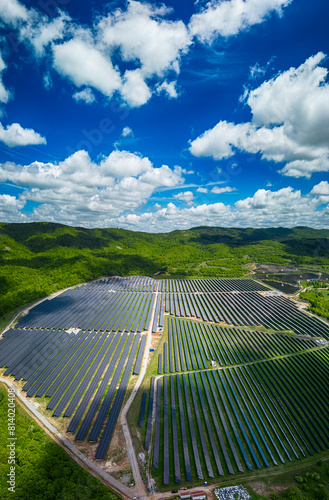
(237, 380)
(238, 383)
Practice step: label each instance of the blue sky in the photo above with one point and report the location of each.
(159, 116)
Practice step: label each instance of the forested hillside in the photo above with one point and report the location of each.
(40, 258)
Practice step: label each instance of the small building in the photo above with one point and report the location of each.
(198, 495)
(194, 495)
(184, 495)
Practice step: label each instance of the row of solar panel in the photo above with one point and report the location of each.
(65, 366)
(135, 283)
(93, 310)
(252, 416)
(210, 285)
(249, 308)
(192, 344)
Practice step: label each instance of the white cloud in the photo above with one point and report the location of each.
(12, 11)
(202, 190)
(186, 196)
(122, 164)
(229, 17)
(47, 81)
(4, 93)
(10, 207)
(8, 202)
(127, 132)
(138, 34)
(81, 191)
(86, 95)
(321, 190)
(134, 89)
(142, 35)
(171, 217)
(285, 208)
(83, 64)
(217, 142)
(219, 190)
(268, 199)
(290, 123)
(14, 135)
(40, 31)
(168, 88)
(305, 168)
(257, 71)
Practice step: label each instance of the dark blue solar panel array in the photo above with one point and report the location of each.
(156, 444)
(76, 347)
(246, 308)
(194, 344)
(142, 410)
(149, 416)
(69, 365)
(92, 309)
(165, 432)
(261, 412)
(114, 413)
(139, 359)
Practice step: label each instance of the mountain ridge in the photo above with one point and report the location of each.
(39, 258)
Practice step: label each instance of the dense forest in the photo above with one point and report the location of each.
(37, 259)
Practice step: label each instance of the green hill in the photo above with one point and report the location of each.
(40, 258)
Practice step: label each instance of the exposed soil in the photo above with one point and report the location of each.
(265, 490)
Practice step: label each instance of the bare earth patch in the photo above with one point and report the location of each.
(264, 490)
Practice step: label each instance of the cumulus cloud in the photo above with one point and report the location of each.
(290, 123)
(127, 132)
(65, 197)
(169, 88)
(83, 64)
(218, 142)
(40, 31)
(4, 93)
(138, 34)
(10, 207)
(321, 190)
(8, 202)
(143, 35)
(230, 17)
(169, 217)
(80, 190)
(85, 95)
(134, 90)
(286, 207)
(15, 135)
(12, 11)
(221, 190)
(202, 190)
(186, 196)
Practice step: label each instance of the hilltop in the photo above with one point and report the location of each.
(39, 258)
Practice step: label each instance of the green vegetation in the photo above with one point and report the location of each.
(318, 297)
(311, 483)
(43, 469)
(38, 259)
